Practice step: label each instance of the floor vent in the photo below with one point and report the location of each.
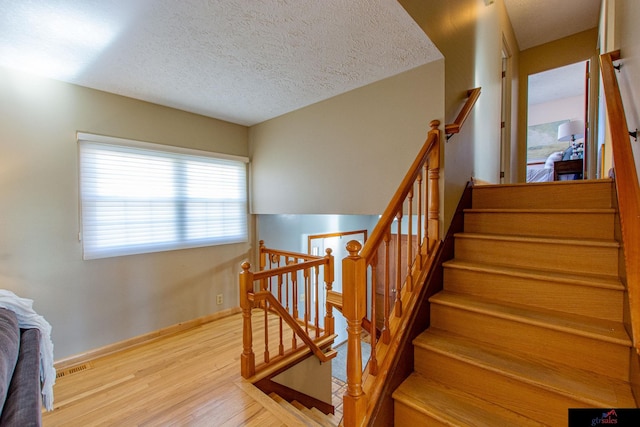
(73, 370)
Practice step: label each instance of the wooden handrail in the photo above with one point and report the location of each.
(627, 188)
(370, 265)
(293, 324)
(274, 290)
(472, 97)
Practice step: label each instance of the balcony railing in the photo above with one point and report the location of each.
(287, 291)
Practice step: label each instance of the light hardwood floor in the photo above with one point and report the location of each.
(188, 378)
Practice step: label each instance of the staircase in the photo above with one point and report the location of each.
(530, 320)
(298, 414)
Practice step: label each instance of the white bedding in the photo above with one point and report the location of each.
(544, 174)
(539, 175)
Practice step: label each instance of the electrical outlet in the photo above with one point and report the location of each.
(219, 299)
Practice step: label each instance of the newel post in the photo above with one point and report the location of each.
(247, 358)
(329, 321)
(354, 294)
(433, 231)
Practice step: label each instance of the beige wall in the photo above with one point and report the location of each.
(628, 41)
(619, 30)
(569, 50)
(94, 303)
(348, 154)
(470, 36)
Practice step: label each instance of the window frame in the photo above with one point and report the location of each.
(178, 157)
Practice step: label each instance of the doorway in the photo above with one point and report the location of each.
(557, 122)
(505, 115)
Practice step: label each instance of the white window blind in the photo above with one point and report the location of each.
(140, 197)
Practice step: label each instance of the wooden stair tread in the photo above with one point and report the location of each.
(593, 280)
(304, 419)
(315, 414)
(575, 183)
(605, 243)
(544, 210)
(455, 407)
(604, 330)
(588, 387)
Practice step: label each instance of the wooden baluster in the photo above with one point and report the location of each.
(266, 332)
(316, 287)
(307, 300)
(280, 321)
(427, 212)
(286, 293)
(409, 284)
(386, 335)
(420, 211)
(373, 359)
(398, 303)
(329, 320)
(354, 296)
(294, 285)
(247, 358)
(434, 192)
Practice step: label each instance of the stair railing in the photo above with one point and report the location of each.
(390, 268)
(287, 291)
(452, 128)
(627, 187)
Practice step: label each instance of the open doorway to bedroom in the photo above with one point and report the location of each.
(556, 117)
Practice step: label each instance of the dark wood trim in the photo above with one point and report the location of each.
(267, 386)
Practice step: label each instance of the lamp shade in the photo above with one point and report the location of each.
(571, 130)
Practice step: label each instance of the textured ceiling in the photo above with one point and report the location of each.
(244, 61)
(536, 22)
(559, 83)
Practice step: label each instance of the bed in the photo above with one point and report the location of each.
(545, 173)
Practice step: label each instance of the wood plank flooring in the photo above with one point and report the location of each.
(188, 378)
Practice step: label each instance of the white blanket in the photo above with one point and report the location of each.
(28, 318)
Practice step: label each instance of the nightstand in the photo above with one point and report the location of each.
(568, 167)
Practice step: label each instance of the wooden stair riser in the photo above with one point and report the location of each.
(537, 403)
(405, 415)
(581, 299)
(582, 352)
(569, 224)
(579, 195)
(304, 419)
(420, 401)
(552, 256)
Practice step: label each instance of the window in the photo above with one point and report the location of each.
(139, 197)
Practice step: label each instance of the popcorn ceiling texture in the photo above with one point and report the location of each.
(244, 61)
